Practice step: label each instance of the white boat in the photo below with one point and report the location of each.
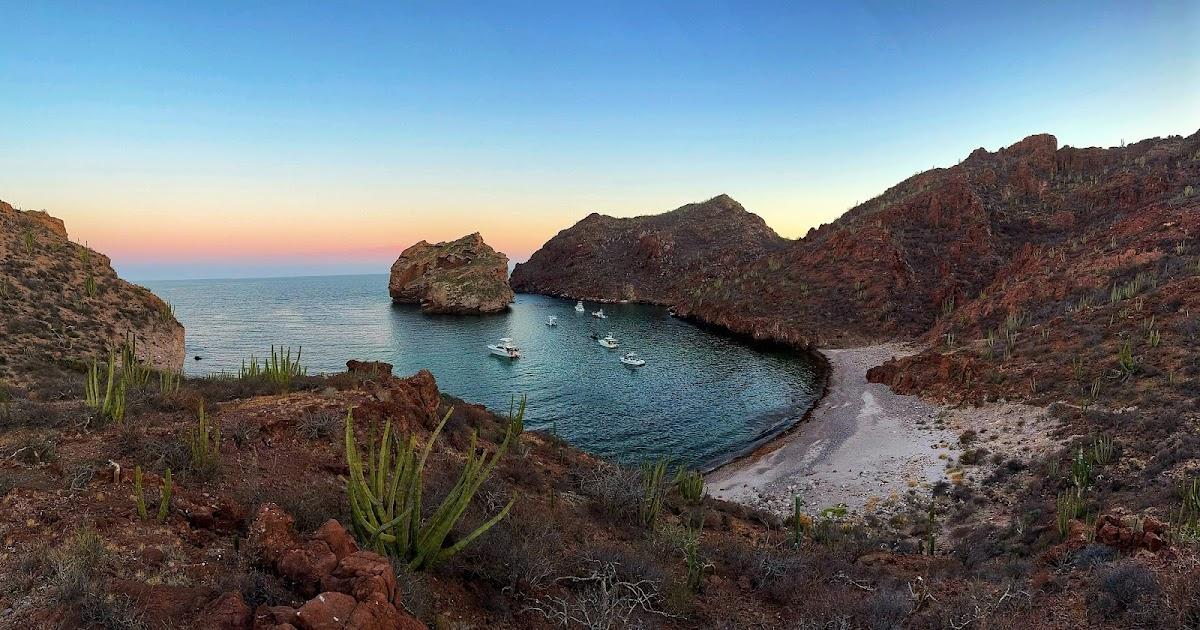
(600, 314)
(579, 307)
(552, 321)
(632, 359)
(506, 349)
(608, 341)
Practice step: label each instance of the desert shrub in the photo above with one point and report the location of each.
(313, 504)
(243, 431)
(319, 424)
(76, 566)
(1124, 589)
(33, 413)
(887, 608)
(973, 456)
(35, 450)
(523, 552)
(615, 491)
(1093, 555)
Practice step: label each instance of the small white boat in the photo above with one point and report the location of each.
(579, 307)
(600, 314)
(633, 360)
(506, 349)
(608, 341)
(552, 321)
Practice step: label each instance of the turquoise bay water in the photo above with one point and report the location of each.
(701, 397)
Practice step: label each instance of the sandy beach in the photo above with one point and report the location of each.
(865, 446)
(861, 446)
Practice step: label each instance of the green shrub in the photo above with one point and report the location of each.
(204, 444)
(385, 495)
(653, 490)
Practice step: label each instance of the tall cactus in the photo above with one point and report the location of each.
(385, 494)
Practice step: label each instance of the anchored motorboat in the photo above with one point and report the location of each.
(506, 349)
(608, 341)
(633, 360)
(579, 307)
(600, 314)
(552, 321)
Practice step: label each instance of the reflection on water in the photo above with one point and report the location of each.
(700, 397)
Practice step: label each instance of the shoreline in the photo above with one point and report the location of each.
(862, 445)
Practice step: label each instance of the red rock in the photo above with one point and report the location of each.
(227, 612)
(366, 575)
(270, 617)
(271, 533)
(340, 542)
(307, 564)
(327, 611)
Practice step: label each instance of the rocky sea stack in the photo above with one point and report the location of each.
(462, 276)
(61, 303)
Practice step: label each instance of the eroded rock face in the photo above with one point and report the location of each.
(462, 276)
(658, 259)
(60, 301)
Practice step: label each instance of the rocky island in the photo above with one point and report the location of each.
(462, 276)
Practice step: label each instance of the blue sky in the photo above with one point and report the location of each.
(209, 139)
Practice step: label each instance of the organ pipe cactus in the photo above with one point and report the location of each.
(385, 494)
(138, 497)
(164, 499)
(108, 401)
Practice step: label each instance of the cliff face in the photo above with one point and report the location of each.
(462, 276)
(60, 301)
(655, 259)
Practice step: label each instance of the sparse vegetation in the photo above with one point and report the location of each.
(204, 445)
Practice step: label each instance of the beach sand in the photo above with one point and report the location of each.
(864, 446)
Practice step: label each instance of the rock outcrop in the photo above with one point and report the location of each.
(462, 276)
(348, 588)
(62, 302)
(657, 259)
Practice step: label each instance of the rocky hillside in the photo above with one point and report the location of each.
(258, 533)
(61, 302)
(938, 241)
(462, 276)
(650, 258)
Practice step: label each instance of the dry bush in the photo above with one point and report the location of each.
(1124, 590)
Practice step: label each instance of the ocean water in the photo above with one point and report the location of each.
(701, 397)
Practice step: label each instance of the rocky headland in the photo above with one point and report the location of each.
(61, 304)
(658, 259)
(461, 276)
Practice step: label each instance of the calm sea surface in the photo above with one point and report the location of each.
(700, 398)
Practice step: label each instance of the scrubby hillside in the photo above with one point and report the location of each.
(256, 532)
(61, 303)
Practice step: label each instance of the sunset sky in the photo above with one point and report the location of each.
(290, 138)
